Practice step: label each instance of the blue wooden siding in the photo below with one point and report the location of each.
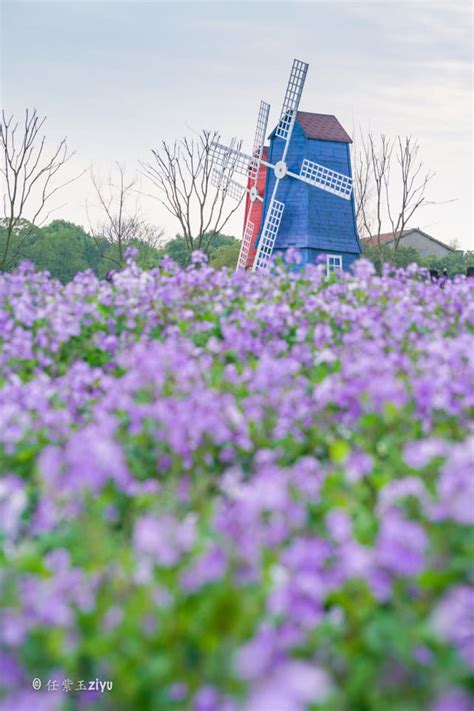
(313, 220)
(310, 256)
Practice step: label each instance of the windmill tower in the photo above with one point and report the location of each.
(253, 218)
(308, 201)
(230, 160)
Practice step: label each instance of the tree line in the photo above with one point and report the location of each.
(64, 249)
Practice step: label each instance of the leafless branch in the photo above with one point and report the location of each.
(390, 185)
(121, 222)
(182, 172)
(29, 180)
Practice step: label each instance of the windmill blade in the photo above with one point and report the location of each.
(246, 242)
(218, 177)
(260, 133)
(269, 235)
(230, 158)
(222, 181)
(292, 99)
(326, 179)
(220, 154)
(234, 190)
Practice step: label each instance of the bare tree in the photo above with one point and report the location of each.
(372, 166)
(29, 180)
(363, 189)
(182, 173)
(121, 223)
(149, 238)
(384, 194)
(414, 181)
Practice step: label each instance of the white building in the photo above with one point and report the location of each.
(423, 243)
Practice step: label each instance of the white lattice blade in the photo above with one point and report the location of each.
(217, 177)
(292, 98)
(295, 86)
(245, 246)
(222, 181)
(260, 133)
(268, 236)
(230, 158)
(219, 153)
(234, 190)
(284, 125)
(326, 179)
(261, 130)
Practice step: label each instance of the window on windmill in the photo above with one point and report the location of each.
(334, 263)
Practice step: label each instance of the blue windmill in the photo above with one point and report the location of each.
(307, 151)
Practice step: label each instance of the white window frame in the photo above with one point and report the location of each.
(333, 263)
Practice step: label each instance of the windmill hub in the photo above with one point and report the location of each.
(281, 169)
(253, 193)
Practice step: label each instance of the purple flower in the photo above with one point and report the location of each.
(419, 453)
(339, 525)
(453, 700)
(112, 618)
(12, 673)
(206, 568)
(29, 699)
(199, 258)
(401, 545)
(164, 539)
(13, 501)
(292, 686)
(293, 256)
(357, 465)
(453, 620)
(178, 691)
(456, 485)
(395, 491)
(207, 698)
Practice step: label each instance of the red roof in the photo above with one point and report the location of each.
(324, 127)
(385, 238)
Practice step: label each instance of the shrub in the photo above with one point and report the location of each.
(454, 262)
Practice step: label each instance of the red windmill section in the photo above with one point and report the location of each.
(256, 209)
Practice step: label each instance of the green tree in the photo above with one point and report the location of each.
(402, 257)
(63, 249)
(226, 256)
(178, 250)
(17, 242)
(454, 262)
(147, 256)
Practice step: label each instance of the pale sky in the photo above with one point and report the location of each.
(118, 77)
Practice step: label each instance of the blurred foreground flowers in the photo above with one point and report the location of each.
(238, 491)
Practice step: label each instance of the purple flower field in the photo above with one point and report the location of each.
(234, 491)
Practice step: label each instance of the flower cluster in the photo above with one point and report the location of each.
(236, 491)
